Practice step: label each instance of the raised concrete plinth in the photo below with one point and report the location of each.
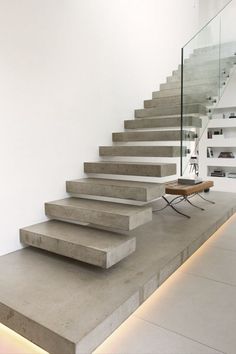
(69, 307)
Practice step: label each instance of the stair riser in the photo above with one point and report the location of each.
(94, 217)
(77, 252)
(162, 122)
(209, 58)
(162, 111)
(204, 69)
(131, 170)
(168, 135)
(208, 63)
(112, 191)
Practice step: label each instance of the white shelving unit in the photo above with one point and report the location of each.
(219, 137)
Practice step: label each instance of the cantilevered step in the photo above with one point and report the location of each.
(106, 214)
(131, 168)
(97, 247)
(189, 83)
(163, 135)
(167, 122)
(112, 188)
(208, 90)
(141, 151)
(176, 100)
(168, 110)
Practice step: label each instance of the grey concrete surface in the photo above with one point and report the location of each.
(210, 90)
(97, 247)
(68, 307)
(191, 83)
(113, 188)
(162, 135)
(173, 101)
(167, 122)
(131, 168)
(143, 151)
(96, 212)
(168, 110)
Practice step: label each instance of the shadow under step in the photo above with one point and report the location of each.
(100, 213)
(162, 135)
(142, 151)
(166, 122)
(112, 188)
(97, 247)
(131, 168)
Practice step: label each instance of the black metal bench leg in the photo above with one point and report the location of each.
(195, 206)
(176, 210)
(207, 200)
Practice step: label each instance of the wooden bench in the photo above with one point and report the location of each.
(184, 193)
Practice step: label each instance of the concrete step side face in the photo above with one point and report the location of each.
(96, 247)
(132, 190)
(165, 110)
(131, 169)
(142, 151)
(167, 122)
(168, 135)
(112, 215)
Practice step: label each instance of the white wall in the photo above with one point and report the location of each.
(70, 72)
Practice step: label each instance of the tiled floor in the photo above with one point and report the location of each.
(193, 312)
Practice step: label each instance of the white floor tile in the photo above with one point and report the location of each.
(146, 338)
(213, 263)
(197, 308)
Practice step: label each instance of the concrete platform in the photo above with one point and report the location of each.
(67, 307)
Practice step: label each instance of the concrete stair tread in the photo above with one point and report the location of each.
(159, 122)
(168, 109)
(100, 213)
(140, 151)
(147, 169)
(97, 247)
(113, 188)
(163, 135)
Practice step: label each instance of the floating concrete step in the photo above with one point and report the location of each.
(196, 75)
(163, 135)
(207, 89)
(208, 62)
(169, 110)
(131, 168)
(97, 247)
(112, 188)
(141, 151)
(176, 100)
(189, 83)
(105, 214)
(169, 122)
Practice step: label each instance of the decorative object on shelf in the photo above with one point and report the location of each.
(226, 155)
(218, 173)
(232, 175)
(209, 134)
(210, 152)
(218, 132)
(193, 165)
(232, 115)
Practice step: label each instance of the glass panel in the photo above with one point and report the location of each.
(207, 64)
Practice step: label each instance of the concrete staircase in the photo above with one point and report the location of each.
(91, 225)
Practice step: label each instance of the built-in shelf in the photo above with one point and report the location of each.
(211, 161)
